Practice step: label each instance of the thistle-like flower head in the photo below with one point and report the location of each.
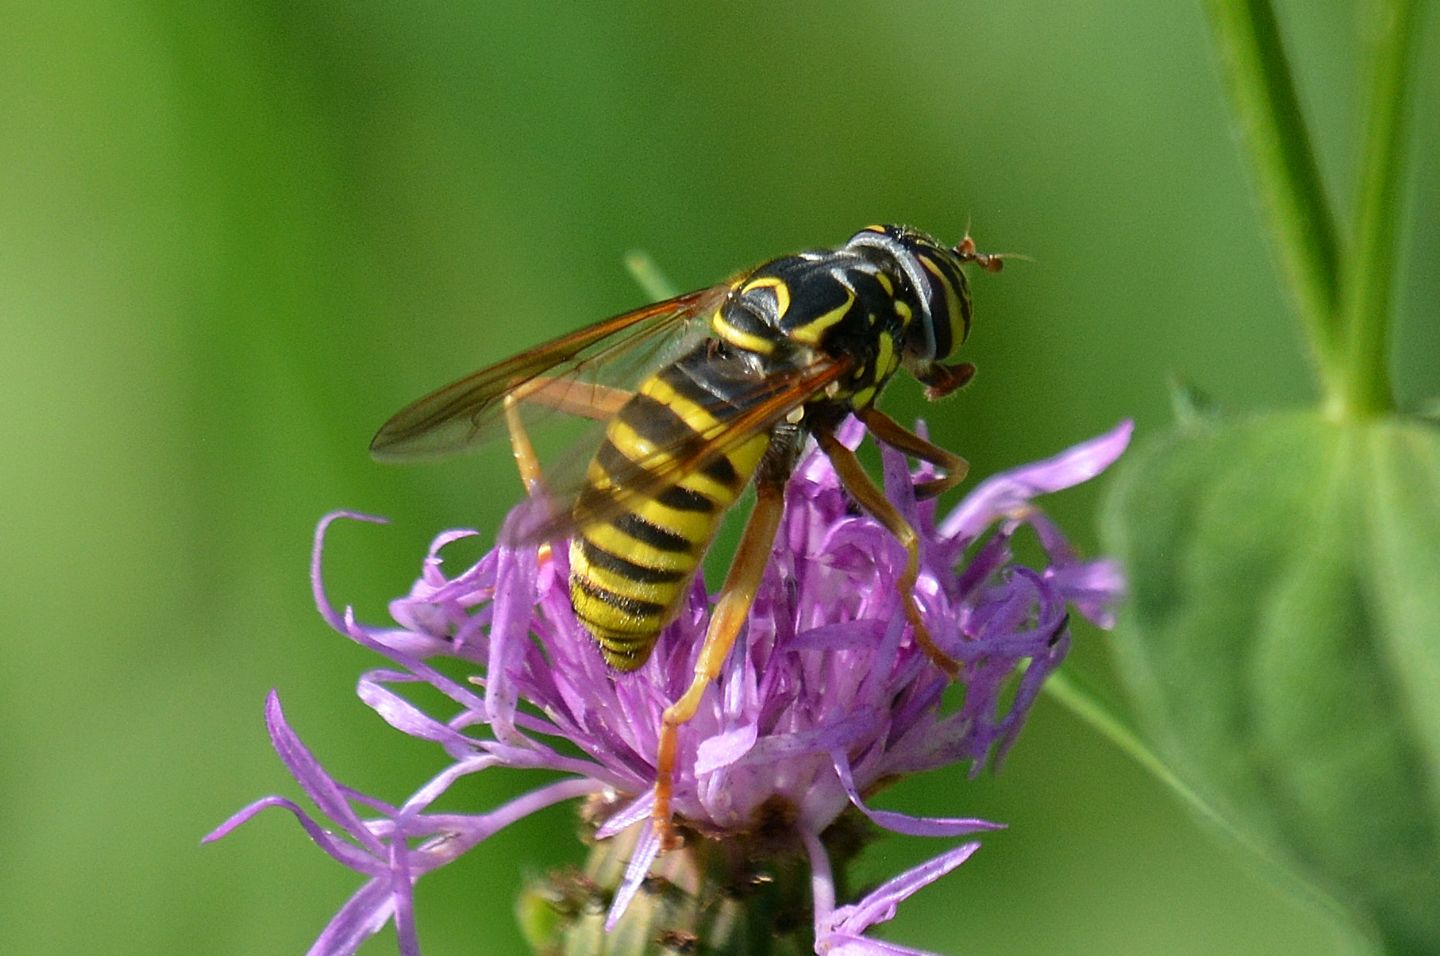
(825, 698)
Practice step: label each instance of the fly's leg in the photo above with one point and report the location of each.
(526, 461)
(897, 436)
(587, 400)
(599, 402)
(729, 616)
(855, 481)
(940, 380)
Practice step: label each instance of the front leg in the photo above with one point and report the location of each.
(897, 436)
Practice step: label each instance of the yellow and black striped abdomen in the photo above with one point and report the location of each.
(629, 572)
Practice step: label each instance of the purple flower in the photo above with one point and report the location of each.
(823, 699)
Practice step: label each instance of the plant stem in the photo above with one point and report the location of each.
(648, 275)
(1364, 387)
(1082, 700)
(1262, 94)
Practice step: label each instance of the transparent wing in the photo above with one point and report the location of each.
(563, 374)
(762, 400)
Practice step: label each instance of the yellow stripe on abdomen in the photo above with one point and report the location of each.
(629, 571)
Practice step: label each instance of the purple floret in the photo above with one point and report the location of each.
(825, 696)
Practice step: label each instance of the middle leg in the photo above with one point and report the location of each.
(855, 480)
(897, 436)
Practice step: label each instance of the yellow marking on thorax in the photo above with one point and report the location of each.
(809, 333)
(739, 338)
(776, 285)
(885, 356)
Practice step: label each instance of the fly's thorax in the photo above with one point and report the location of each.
(833, 303)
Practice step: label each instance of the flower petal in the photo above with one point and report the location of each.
(317, 548)
(844, 927)
(904, 823)
(725, 748)
(1009, 491)
(647, 848)
(345, 854)
(318, 785)
(362, 916)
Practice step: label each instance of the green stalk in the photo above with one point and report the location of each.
(1364, 388)
(648, 275)
(1085, 702)
(1082, 700)
(1262, 95)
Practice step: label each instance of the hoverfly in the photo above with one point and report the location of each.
(782, 351)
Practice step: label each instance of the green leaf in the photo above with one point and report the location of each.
(1282, 644)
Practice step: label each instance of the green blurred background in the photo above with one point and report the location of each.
(235, 237)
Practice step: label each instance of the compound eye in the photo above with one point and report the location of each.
(960, 319)
(948, 295)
